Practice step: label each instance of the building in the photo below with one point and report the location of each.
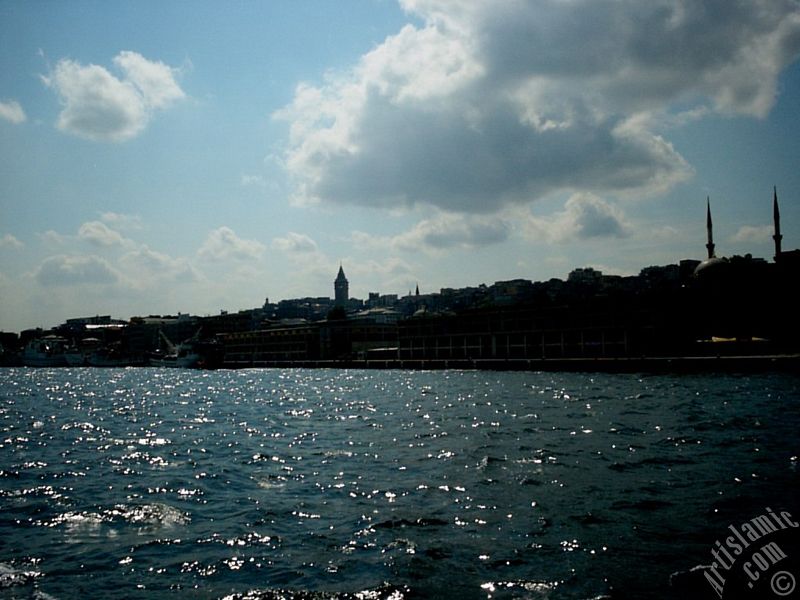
(331, 340)
(585, 275)
(275, 344)
(378, 300)
(743, 298)
(144, 334)
(341, 289)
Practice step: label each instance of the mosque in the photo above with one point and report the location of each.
(713, 265)
(744, 297)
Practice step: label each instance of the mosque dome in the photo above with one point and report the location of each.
(711, 267)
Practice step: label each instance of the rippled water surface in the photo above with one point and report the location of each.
(128, 483)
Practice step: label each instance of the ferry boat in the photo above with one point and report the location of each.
(112, 356)
(183, 356)
(48, 351)
(75, 357)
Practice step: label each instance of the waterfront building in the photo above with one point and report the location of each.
(332, 340)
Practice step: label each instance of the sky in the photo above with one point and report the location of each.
(165, 157)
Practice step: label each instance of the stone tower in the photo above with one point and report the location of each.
(341, 289)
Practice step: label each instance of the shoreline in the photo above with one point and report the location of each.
(783, 363)
(667, 364)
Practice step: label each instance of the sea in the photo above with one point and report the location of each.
(370, 484)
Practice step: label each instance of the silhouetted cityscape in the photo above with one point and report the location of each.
(735, 306)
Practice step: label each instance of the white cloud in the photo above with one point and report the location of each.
(441, 232)
(10, 110)
(155, 81)
(224, 244)
(122, 221)
(295, 243)
(488, 105)
(253, 180)
(751, 233)
(52, 237)
(9, 241)
(663, 232)
(391, 273)
(448, 231)
(585, 217)
(633, 54)
(306, 263)
(99, 234)
(75, 270)
(102, 107)
(145, 267)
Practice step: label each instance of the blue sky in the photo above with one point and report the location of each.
(194, 157)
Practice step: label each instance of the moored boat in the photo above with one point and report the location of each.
(112, 356)
(181, 359)
(182, 356)
(48, 351)
(75, 357)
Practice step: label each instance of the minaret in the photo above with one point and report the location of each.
(709, 227)
(776, 217)
(341, 289)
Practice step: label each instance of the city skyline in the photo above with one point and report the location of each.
(175, 160)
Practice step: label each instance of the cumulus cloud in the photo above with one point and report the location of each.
(223, 244)
(52, 238)
(10, 241)
(295, 243)
(487, 105)
(154, 81)
(10, 110)
(449, 231)
(100, 106)
(753, 233)
(75, 270)
(122, 221)
(593, 217)
(99, 234)
(442, 232)
(394, 272)
(585, 217)
(144, 266)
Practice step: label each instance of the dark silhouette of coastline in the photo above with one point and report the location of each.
(736, 313)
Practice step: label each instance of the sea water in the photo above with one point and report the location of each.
(143, 483)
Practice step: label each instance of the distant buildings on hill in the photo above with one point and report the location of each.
(693, 307)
